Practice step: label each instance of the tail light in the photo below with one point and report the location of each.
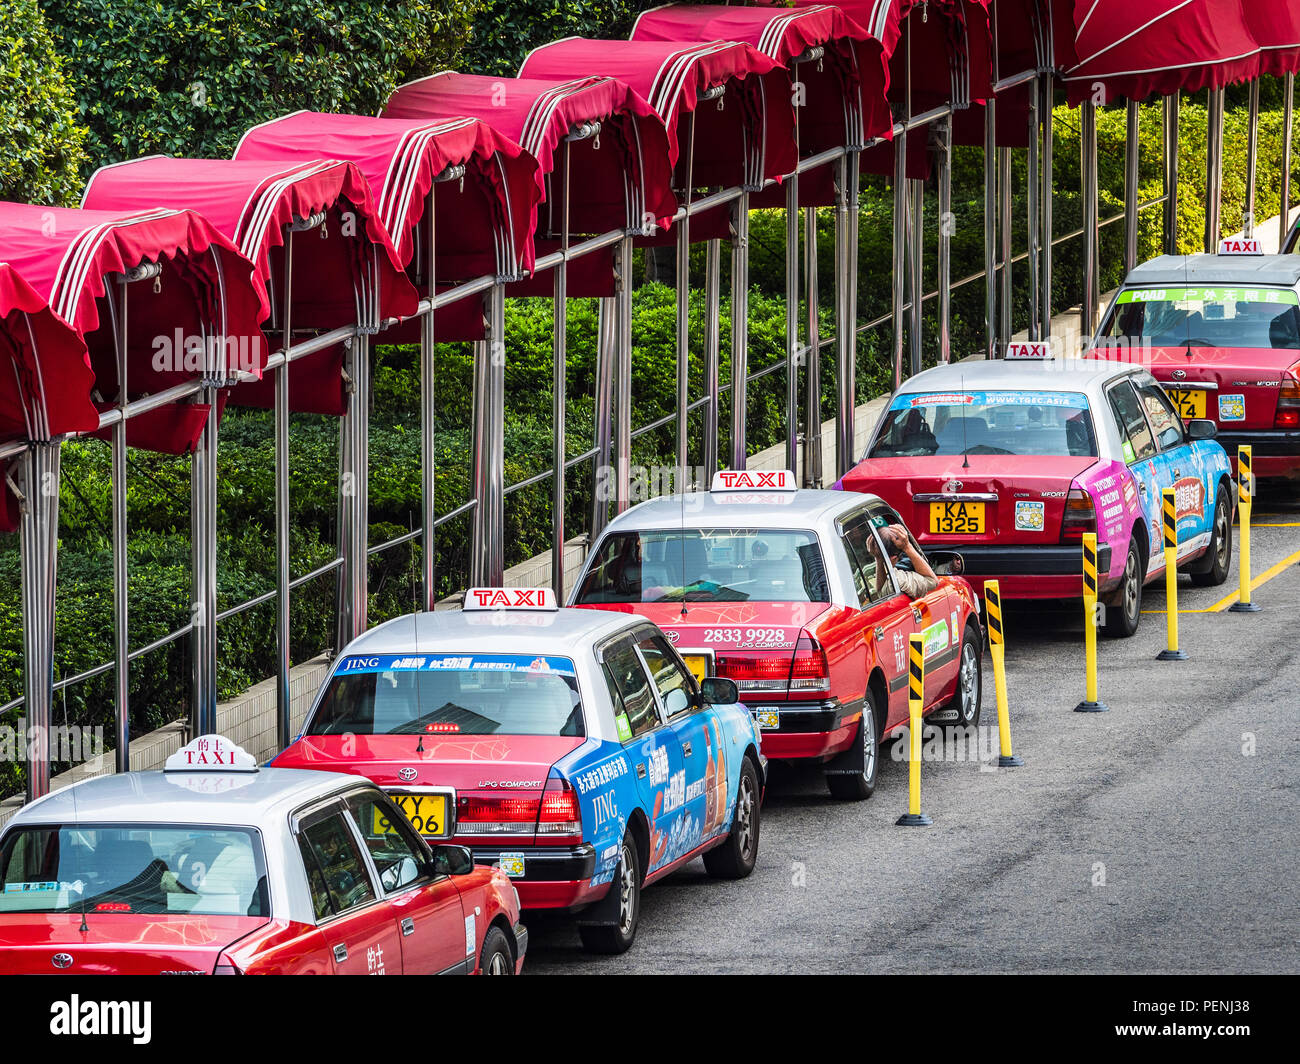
(1080, 517)
(490, 814)
(756, 673)
(1288, 402)
(809, 670)
(559, 814)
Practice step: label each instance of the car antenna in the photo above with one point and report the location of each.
(965, 457)
(76, 870)
(681, 535)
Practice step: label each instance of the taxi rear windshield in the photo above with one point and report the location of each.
(706, 565)
(1004, 422)
(108, 869)
(1267, 318)
(451, 694)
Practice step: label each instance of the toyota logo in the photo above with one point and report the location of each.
(953, 485)
(672, 635)
(1179, 374)
(407, 774)
(62, 960)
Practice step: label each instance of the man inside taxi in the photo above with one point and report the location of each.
(916, 582)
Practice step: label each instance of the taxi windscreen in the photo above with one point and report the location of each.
(706, 565)
(457, 694)
(1002, 422)
(1267, 318)
(121, 868)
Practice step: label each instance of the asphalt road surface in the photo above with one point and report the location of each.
(1158, 837)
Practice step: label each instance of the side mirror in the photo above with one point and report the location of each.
(1200, 428)
(449, 860)
(946, 562)
(719, 691)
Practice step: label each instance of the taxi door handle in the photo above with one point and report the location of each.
(916, 612)
(408, 927)
(341, 952)
(1142, 486)
(640, 771)
(1177, 474)
(686, 748)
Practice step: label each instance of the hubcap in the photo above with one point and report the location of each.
(969, 681)
(1131, 586)
(868, 742)
(1221, 536)
(745, 817)
(497, 966)
(626, 893)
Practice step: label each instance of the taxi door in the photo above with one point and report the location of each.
(436, 935)
(1149, 467)
(1184, 469)
(355, 921)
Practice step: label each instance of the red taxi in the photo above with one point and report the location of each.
(1222, 335)
(801, 598)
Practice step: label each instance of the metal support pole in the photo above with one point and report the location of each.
(712, 352)
(1171, 175)
(1131, 188)
(428, 478)
(944, 133)
(353, 491)
(899, 270)
(559, 385)
(792, 349)
(1088, 176)
(1288, 105)
(990, 230)
(623, 377)
(1252, 156)
(1048, 146)
(916, 282)
(683, 279)
(739, 329)
(488, 547)
(601, 490)
(283, 688)
(1032, 219)
(203, 525)
(121, 661)
(1004, 244)
(39, 526)
(812, 444)
(1213, 170)
(846, 327)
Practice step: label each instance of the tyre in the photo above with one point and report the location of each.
(618, 937)
(496, 958)
(968, 698)
(1220, 548)
(1122, 618)
(735, 858)
(857, 786)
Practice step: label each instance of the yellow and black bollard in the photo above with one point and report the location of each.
(993, 614)
(1090, 703)
(1169, 521)
(914, 818)
(1245, 497)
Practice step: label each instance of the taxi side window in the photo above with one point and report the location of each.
(871, 581)
(392, 845)
(336, 870)
(1134, 431)
(669, 677)
(1161, 414)
(628, 678)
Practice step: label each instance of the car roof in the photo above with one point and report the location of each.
(703, 509)
(1049, 375)
(1206, 269)
(161, 797)
(555, 632)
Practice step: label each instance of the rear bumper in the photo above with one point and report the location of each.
(555, 877)
(809, 729)
(1274, 453)
(1049, 571)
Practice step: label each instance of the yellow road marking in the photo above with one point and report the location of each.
(1263, 578)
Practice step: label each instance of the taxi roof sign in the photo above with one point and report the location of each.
(1029, 350)
(754, 480)
(211, 753)
(1240, 245)
(532, 599)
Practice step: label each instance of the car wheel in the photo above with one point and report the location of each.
(854, 787)
(1122, 618)
(618, 937)
(1220, 546)
(495, 958)
(735, 858)
(967, 699)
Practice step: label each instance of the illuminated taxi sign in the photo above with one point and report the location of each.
(534, 599)
(1240, 245)
(754, 480)
(211, 753)
(1028, 350)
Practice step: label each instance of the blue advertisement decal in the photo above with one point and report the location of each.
(432, 662)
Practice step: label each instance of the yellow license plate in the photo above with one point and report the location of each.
(698, 664)
(1189, 402)
(426, 812)
(957, 518)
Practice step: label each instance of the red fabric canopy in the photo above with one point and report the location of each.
(1275, 26)
(204, 291)
(617, 177)
(845, 102)
(673, 77)
(1133, 48)
(252, 203)
(484, 223)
